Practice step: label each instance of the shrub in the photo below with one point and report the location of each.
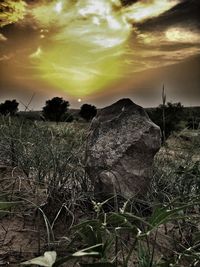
(9, 107)
(88, 112)
(174, 114)
(55, 109)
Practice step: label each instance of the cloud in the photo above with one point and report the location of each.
(83, 47)
(182, 35)
(143, 10)
(5, 57)
(175, 35)
(37, 53)
(90, 38)
(169, 45)
(11, 11)
(2, 38)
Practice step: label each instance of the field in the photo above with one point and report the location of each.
(47, 202)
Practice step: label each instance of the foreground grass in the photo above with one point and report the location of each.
(46, 182)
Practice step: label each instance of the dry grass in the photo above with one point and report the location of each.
(49, 180)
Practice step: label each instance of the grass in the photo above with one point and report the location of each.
(47, 183)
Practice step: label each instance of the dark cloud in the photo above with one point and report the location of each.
(128, 2)
(185, 13)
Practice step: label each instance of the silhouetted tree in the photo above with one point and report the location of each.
(174, 114)
(9, 107)
(88, 112)
(55, 109)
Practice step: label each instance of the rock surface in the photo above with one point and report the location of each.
(120, 149)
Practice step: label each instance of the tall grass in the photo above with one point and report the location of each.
(50, 156)
(126, 233)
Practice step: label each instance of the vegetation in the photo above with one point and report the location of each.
(56, 110)
(193, 117)
(9, 107)
(45, 187)
(169, 117)
(88, 112)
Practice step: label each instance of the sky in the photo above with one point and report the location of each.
(98, 51)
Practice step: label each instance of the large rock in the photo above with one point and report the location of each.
(120, 149)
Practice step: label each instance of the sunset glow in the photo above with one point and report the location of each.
(87, 39)
(84, 48)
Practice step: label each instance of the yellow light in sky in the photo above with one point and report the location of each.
(86, 41)
(58, 7)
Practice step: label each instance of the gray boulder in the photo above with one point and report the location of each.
(120, 149)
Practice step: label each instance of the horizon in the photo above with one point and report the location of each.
(23, 107)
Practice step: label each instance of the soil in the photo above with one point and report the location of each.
(20, 236)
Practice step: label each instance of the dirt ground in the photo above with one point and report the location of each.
(20, 236)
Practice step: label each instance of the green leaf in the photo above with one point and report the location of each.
(81, 253)
(85, 223)
(85, 254)
(4, 205)
(47, 260)
(165, 214)
(89, 248)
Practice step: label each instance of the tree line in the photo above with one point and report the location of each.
(176, 117)
(55, 109)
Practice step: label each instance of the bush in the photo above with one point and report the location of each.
(55, 109)
(9, 107)
(173, 116)
(88, 112)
